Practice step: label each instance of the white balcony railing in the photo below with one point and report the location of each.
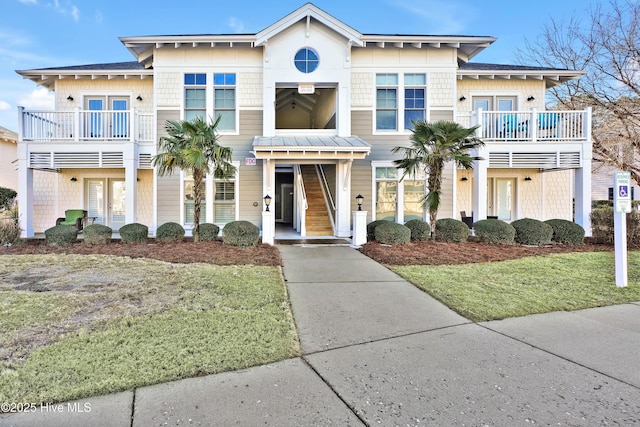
(85, 126)
(530, 126)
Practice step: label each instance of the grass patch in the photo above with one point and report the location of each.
(75, 326)
(497, 290)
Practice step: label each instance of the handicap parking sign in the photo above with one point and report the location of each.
(622, 195)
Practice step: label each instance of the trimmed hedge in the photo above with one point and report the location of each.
(134, 233)
(391, 233)
(451, 230)
(565, 231)
(420, 230)
(209, 232)
(530, 231)
(371, 228)
(97, 234)
(240, 233)
(494, 231)
(9, 231)
(170, 232)
(602, 230)
(61, 235)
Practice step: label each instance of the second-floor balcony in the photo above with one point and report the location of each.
(86, 126)
(531, 126)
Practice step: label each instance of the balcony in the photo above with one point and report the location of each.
(531, 126)
(85, 126)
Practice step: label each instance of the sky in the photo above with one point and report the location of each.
(55, 33)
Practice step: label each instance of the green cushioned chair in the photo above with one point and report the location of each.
(75, 217)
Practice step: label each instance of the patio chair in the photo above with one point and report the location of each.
(75, 217)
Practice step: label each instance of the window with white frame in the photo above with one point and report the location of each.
(224, 205)
(222, 192)
(195, 96)
(414, 99)
(386, 101)
(397, 199)
(224, 100)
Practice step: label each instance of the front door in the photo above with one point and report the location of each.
(501, 197)
(106, 202)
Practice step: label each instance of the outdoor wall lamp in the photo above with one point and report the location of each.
(528, 178)
(462, 98)
(74, 179)
(359, 200)
(267, 202)
(531, 98)
(464, 178)
(69, 98)
(139, 98)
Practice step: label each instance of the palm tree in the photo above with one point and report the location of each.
(433, 145)
(192, 146)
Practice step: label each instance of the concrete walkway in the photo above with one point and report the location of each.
(377, 351)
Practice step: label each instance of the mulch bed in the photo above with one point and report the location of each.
(185, 252)
(439, 253)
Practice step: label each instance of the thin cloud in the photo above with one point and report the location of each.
(75, 12)
(4, 105)
(441, 17)
(236, 25)
(28, 1)
(66, 8)
(39, 98)
(98, 17)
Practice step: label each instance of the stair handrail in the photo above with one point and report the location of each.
(302, 201)
(328, 197)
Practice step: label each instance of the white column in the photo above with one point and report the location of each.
(25, 192)
(583, 196)
(359, 236)
(343, 198)
(130, 155)
(480, 184)
(268, 188)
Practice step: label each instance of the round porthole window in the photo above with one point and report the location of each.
(306, 60)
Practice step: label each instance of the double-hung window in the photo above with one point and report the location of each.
(386, 101)
(398, 199)
(224, 102)
(195, 96)
(224, 201)
(414, 99)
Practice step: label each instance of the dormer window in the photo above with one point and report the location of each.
(306, 60)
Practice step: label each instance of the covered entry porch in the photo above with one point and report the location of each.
(328, 157)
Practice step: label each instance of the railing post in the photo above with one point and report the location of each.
(134, 125)
(76, 124)
(534, 124)
(587, 125)
(20, 124)
(478, 121)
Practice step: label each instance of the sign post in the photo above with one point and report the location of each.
(621, 206)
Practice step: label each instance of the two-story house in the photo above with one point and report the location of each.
(311, 108)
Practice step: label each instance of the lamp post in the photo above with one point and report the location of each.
(267, 202)
(359, 236)
(268, 223)
(359, 200)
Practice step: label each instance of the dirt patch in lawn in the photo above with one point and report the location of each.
(185, 252)
(439, 253)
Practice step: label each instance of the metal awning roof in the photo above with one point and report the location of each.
(320, 147)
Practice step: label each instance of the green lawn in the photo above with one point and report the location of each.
(530, 285)
(75, 326)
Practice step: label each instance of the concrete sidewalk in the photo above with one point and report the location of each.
(376, 350)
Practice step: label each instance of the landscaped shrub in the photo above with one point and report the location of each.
(134, 233)
(9, 231)
(371, 228)
(61, 235)
(420, 230)
(494, 231)
(530, 231)
(170, 232)
(97, 234)
(451, 230)
(602, 230)
(565, 231)
(240, 233)
(7, 197)
(209, 232)
(391, 233)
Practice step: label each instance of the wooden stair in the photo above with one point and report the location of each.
(317, 218)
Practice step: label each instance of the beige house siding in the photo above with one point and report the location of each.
(78, 89)
(8, 171)
(558, 187)
(361, 180)
(168, 186)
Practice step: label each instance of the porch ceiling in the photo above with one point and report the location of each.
(323, 147)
